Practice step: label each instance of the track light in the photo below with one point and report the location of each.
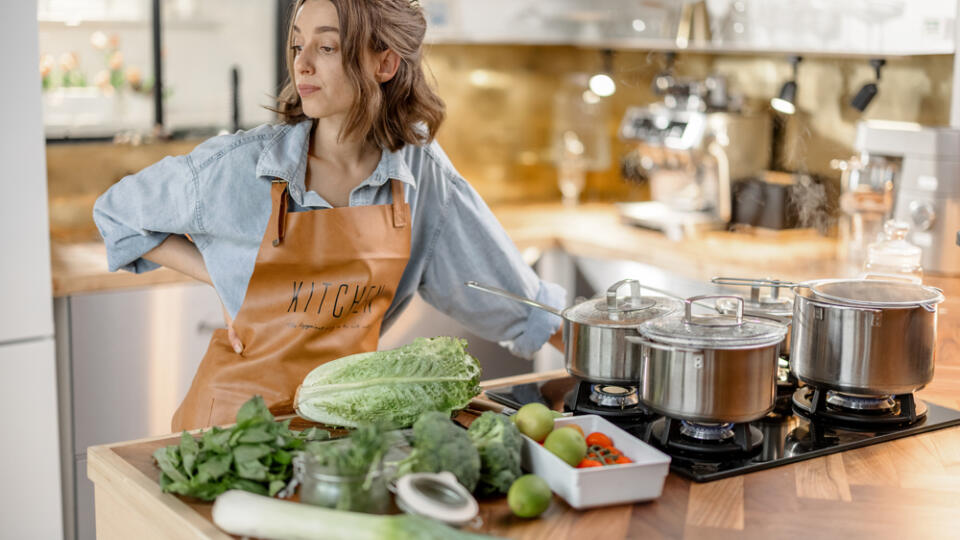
(602, 84)
(785, 101)
(868, 91)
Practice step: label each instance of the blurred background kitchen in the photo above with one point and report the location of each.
(807, 124)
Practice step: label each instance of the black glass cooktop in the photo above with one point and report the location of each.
(787, 434)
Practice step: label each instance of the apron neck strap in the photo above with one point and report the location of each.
(278, 194)
(399, 207)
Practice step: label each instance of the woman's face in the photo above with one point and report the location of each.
(321, 81)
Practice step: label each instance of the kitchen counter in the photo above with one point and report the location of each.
(906, 488)
(591, 230)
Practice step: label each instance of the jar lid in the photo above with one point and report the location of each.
(616, 311)
(876, 293)
(437, 496)
(714, 331)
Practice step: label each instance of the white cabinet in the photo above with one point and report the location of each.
(127, 359)
(30, 507)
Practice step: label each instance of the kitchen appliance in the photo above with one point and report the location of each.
(864, 337)
(690, 153)
(709, 369)
(786, 437)
(594, 331)
(28, 363)
(922, 164)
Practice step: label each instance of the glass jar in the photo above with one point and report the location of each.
(322, 486)
(893, 257)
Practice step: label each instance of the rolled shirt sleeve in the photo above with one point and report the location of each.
(138, 213)
(471, 244)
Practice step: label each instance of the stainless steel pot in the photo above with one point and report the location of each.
(770, 306)
(594, 331)
(713, 368)
(865, 336)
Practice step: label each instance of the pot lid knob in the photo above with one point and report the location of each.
(688, 308)
(633, 302)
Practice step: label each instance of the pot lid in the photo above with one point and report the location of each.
(621, 311)
(780, 307)
(876, 293)
(714, 331)
(769, 304)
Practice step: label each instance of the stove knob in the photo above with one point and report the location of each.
(922, 214)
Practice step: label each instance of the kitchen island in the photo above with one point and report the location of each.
(903, 488)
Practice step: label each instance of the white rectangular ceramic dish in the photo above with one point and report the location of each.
(641, 480)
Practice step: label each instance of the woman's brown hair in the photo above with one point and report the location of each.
(403, 110)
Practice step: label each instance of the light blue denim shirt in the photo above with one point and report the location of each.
(219, 194)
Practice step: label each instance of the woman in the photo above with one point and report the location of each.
(317, 231)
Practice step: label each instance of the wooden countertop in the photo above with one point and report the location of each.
(589, 230)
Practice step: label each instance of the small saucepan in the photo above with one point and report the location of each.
(595, 331)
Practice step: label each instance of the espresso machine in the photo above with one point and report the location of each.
(919, 166)
(690, 148)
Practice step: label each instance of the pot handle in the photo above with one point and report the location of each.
(507, 294)
(640, 340)
(688, 306)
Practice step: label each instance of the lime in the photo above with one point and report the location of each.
(529, 496)
(534, 420)
(567, 444)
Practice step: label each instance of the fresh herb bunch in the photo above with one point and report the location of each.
(351, 456)
(254, 455)
(357, 458)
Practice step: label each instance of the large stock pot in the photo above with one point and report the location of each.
(864, 336)
(594, 331)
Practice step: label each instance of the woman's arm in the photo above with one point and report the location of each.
(471, 245)
(180, 254)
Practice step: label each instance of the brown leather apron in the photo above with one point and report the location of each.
(322, 283)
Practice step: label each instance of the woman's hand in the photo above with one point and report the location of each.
(557, 340)
(178, 253)
(231, 333)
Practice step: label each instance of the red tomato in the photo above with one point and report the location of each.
(599, 439)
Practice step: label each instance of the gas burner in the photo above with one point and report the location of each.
(592, 398)
(857, 411)
(706, 432)
(856, 402)
(709, 441)
(620, 397)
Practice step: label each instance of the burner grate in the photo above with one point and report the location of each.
(607, 395)
(668, 434)
(707, 432)
(855, 411)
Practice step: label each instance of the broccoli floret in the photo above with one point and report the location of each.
(499, 442)
(441, 445)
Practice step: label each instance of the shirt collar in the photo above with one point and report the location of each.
(285, 157)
